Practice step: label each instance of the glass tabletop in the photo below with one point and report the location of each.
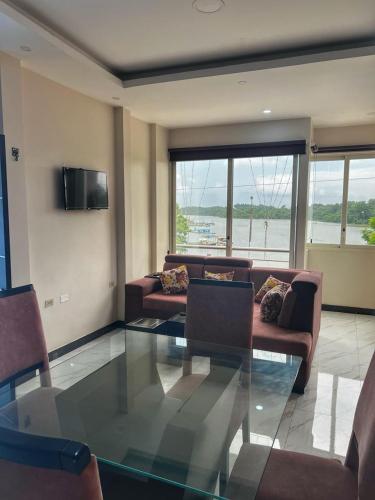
(163, 408)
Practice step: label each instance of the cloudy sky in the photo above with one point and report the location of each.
(269, 181)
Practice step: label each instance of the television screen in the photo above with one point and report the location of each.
(85, 189)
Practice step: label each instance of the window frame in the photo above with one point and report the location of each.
(229, 216)
(346, 157)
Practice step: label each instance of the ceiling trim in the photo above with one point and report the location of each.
(29, 21)
(251, 62)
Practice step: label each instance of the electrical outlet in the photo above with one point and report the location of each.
(64, 298)
(48, 303)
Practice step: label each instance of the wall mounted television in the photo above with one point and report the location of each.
(84, 189)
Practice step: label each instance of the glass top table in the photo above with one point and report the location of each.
(164, 408)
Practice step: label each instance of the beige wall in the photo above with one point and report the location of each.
(347, 275)
(11, 125)
(70, 252)
(345, 136)
(160, 192)
(347, 271)
(241, 133)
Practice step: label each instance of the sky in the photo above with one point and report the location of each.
(269, 181)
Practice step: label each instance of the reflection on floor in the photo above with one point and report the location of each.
(318, 422)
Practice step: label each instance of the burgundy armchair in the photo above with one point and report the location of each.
(40, 468)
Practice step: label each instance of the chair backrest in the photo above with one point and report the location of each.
(220, 312)
(23, 346)
(361, 452)
(41, 468)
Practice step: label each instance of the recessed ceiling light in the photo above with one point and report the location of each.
(242, 82)
(208, 6)
(25, 48)
(115, 98)
(259, 407)
(267, 111)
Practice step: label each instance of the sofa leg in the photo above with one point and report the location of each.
(298, 390)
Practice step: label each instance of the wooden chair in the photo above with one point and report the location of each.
(296, 476)
(41, 468)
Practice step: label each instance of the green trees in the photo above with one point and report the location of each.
(368, 234)
(182, 226)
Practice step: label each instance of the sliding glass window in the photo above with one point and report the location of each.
(243, 207)
(342, 201)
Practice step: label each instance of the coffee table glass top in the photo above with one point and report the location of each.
(163, 408)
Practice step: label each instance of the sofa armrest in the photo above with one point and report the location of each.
(142, 287)
(308, 302)
(135, 291)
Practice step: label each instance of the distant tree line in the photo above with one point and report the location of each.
(359, 212)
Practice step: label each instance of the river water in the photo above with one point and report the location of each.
(275, 234)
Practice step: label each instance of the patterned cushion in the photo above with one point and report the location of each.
(272, 302)
(219, 276)
(270, 282)
(175, 280)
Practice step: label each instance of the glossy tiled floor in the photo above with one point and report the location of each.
(318, 422)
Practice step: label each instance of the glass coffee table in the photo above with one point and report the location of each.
(166, 411)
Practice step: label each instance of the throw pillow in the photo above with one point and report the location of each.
(219, 276)
(270, 282)
(175, 280)
(272, 302)
(286, 313)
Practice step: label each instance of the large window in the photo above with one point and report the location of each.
(241, 207)
(342, 201)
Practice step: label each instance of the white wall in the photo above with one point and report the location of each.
(70, 252)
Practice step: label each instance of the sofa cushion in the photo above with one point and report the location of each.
(270, 337)
(270, 283)
(272, 302)
(258, 275)
(219, 276)
(175, 280)
(170, 304)
(194, 270)
(240, 273)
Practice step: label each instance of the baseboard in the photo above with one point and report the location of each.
(84, 340)
(347, 309)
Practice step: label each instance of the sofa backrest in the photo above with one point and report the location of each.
(196, 265)
(258, 275)
(193, 263)
(241, 267)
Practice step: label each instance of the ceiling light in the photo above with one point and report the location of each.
(267, 111)
(242, 82)
(25, 48)
(259, 407)
(208, 6)
(115, 98)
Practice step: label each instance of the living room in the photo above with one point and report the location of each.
(240, 146)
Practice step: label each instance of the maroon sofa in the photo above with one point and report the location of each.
(299, 334)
